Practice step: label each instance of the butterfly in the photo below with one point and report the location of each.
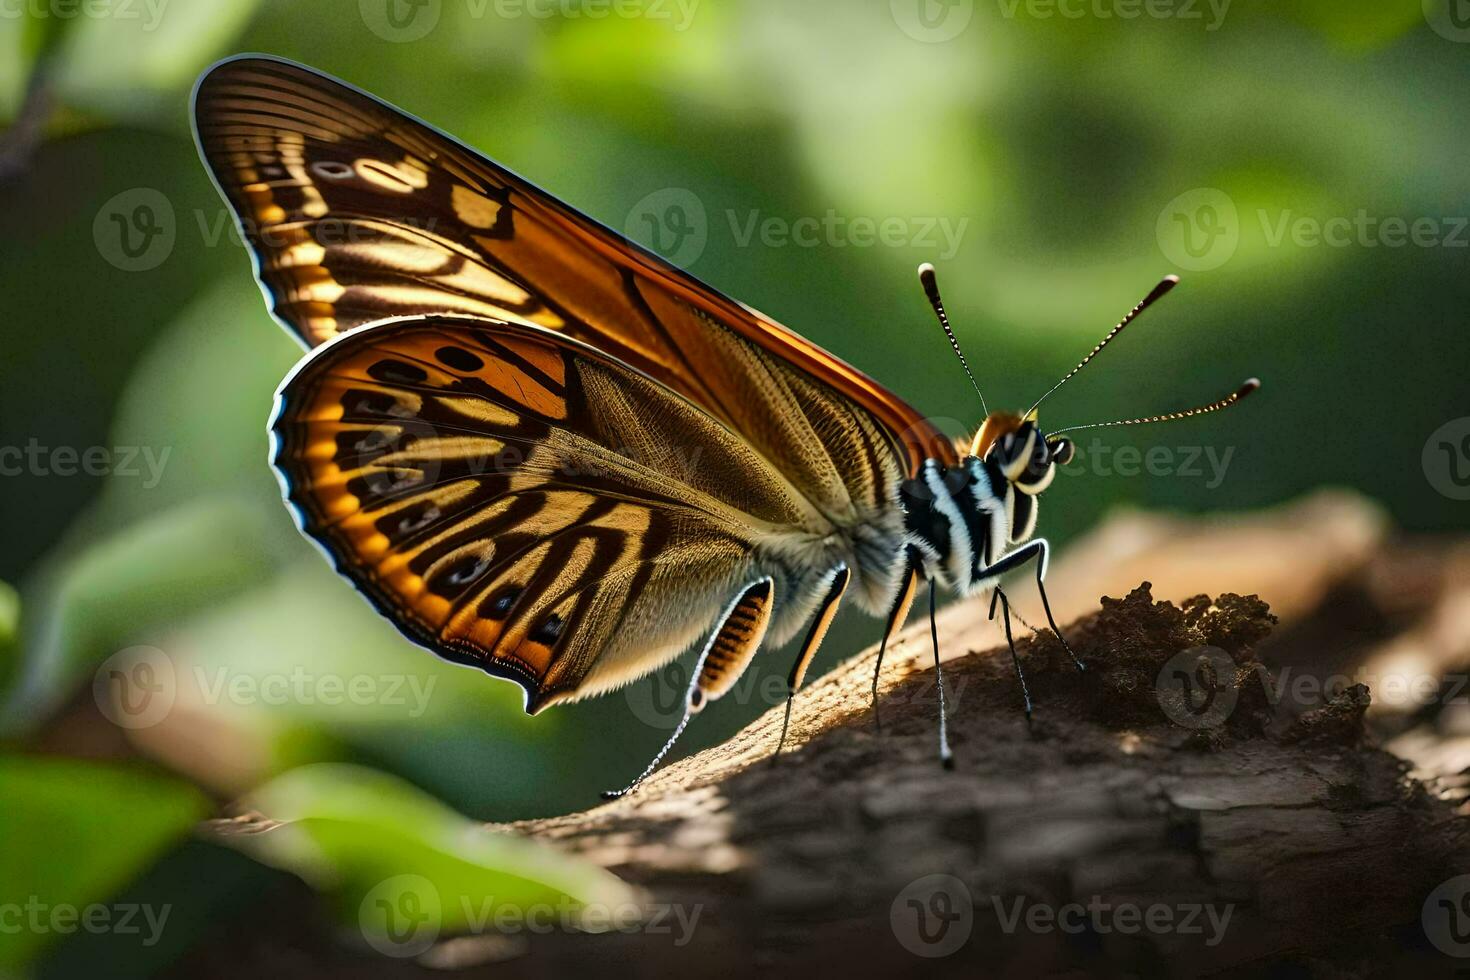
(540, 450)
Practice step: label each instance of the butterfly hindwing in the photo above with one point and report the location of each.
(517, 501)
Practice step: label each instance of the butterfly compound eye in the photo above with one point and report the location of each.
(1062, 451)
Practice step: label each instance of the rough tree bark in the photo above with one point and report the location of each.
(1322, 847)
(1136, 828)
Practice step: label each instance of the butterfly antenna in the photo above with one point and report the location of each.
(931, 290)
(1248, 386)
(1168, 283)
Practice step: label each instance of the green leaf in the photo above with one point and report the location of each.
(72, 834)
(380, 847)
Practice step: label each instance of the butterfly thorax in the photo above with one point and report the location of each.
(959, 519)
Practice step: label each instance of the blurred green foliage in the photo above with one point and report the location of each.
(71, 835)
(1051, 145)
(350, 829)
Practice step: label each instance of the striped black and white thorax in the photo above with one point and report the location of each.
(960, 520)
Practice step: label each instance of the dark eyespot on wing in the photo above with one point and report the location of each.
(548, 631)
(499, 606)
(458, 576)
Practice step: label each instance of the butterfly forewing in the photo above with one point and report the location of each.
(357, 212)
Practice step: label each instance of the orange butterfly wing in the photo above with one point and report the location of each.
(356, 211)
(519, 502)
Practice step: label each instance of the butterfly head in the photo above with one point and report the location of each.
(1019, 449)
(1013, 443)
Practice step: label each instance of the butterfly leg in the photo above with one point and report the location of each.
(946, 757)
(1036, 549)
(818, 632)
(908, 588)
(1010, 642)
(724, 659)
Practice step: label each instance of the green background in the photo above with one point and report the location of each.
(1070, 148)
